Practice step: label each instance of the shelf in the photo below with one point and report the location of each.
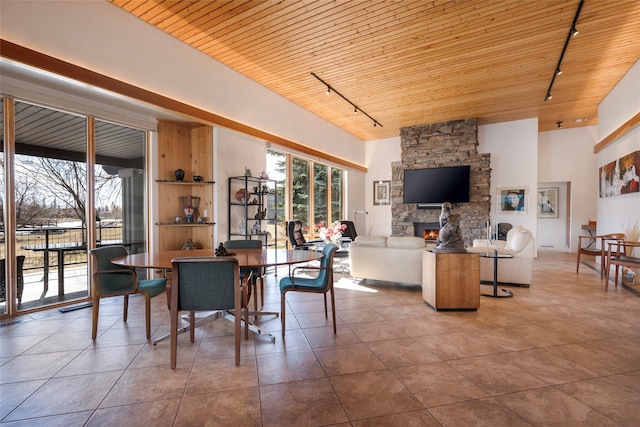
(173, 224)
(169, 181)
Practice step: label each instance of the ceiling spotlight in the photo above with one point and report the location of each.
(328, 90)
(559, 125)
(580, 120)
(548, 96)
(558, 71)
(375, 124)
(355, 111)
(574, 31)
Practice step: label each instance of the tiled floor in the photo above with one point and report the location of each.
(562, 352)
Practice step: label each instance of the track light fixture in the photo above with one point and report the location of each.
(355, 107)
(572, 32)
(559, 123)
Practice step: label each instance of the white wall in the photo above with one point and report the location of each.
(566, 155)
(552, 232)
(514, 164)
(379, 154)
(622, 103)
(104, 38)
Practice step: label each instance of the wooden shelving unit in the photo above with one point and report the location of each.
(186, 146)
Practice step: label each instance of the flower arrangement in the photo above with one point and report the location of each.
(331, 233)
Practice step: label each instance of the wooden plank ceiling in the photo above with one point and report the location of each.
(409, 62)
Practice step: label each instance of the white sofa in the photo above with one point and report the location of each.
(515, 271)
(392, 259)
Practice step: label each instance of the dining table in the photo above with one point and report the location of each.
(253, 258)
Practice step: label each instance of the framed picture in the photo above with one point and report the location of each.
(512, 200)
(548, 202)
(381, 192)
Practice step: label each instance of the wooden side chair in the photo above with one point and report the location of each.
(207, 284)
(110, 280)
(322, 283)
(621, 253)
(597, 246)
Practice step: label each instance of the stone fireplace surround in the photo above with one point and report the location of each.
(453, 143)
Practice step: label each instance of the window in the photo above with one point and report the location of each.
(313, 192)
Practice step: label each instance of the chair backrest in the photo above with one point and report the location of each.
(326, 262)
(106, 283)
(243, 244)
(503, 229)
(205, 283)
(294, 231)
(350, 231)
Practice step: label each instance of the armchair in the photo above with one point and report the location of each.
(322, 283)
(296, 238)
(207, 284)
(110, 280)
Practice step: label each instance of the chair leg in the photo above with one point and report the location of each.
(325, 306)
(94, 318)
(126, 308)
(174, 336)
(192, 327)
(147, 313)
(578, 263)
(333, 311)
(282, 311)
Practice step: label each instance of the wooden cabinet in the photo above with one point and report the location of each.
(186, 146)
(253, 210)
(451, 281)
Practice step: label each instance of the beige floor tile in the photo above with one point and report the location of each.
(548, 367)
(549, 405)
(210, 376)
(226, 408)
(598, 361)
(95, 360)
(13, 394)
(64, 420)
(402, 352)
(496, 374)
(324, 337)
(406, 419)
(159, 413)
(348, 359)
(148, 384)
(288, 366)
(308, 402)
(372, 394)
(478, 413)
(35, 366)
(65, 395)
(609, 396)
(437, 384)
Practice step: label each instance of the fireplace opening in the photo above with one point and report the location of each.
(429, 231)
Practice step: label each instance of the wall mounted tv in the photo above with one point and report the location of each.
(435, 186)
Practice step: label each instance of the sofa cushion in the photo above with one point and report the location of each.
(378, 241)
(405, 242)
(517, 239)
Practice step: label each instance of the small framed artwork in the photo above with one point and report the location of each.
(381, 192)
(548, 202)
(512, 200)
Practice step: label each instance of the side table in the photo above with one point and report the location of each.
(496, 256)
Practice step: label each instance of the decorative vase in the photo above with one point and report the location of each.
(179, 174)
(240, 195)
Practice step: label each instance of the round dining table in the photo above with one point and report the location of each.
(246, 257)
(256, 258)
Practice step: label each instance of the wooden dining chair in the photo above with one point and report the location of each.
(621, 254)
(596, 247)
(110, 280)
(207, 284)
(321, 283)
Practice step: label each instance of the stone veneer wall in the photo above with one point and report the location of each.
(435, 145)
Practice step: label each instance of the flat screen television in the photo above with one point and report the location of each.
(437, 185)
